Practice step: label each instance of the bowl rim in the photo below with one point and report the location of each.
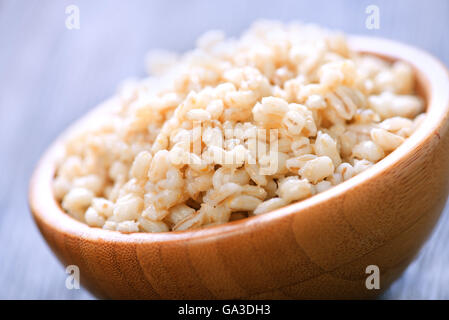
(432, 73)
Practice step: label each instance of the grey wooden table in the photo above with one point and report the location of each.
(50, 75)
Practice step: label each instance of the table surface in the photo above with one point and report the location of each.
(51, 75)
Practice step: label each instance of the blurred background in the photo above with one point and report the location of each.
(50, 75)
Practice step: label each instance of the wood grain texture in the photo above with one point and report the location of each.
(50, 76)
(317, 248)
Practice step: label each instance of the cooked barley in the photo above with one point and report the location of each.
(236, 128)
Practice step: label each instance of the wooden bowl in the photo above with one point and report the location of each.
(316, 248)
